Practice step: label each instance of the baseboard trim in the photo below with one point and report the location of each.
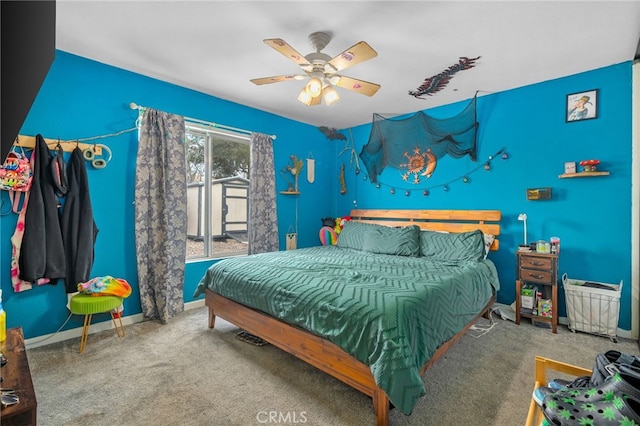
(620, 332)
(132, 319)
(96, 327)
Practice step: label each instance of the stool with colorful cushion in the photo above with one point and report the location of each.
(100, 295)
(87, 305)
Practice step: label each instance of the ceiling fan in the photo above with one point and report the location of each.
(322, 70)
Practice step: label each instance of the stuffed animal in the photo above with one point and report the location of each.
(331, 228)
(328, 221)
(340, 221)
(328, 236)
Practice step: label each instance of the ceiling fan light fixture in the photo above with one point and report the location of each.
(307, 99)
(304, 97)
(330, 95)
(314, 87)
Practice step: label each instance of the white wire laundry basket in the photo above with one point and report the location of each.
(592, 307)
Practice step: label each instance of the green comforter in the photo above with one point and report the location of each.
(389, 312)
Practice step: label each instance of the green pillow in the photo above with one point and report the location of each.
(452, 246)
(403, 241)
(352, 235)
(380, 239)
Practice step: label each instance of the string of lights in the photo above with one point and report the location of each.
(502, 153)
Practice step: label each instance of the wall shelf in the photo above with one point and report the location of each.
(583, 174)
(290, 192)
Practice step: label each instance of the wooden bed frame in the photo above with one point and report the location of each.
(327, 356)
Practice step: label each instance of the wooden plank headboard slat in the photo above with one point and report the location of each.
(477, 215)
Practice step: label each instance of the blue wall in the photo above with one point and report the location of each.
(592, 216)
(82, 98)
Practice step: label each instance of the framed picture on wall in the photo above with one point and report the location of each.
(582, 106)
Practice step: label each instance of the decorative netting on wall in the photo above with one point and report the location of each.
(395, 142)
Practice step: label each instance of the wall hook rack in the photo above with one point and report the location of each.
(68, 146)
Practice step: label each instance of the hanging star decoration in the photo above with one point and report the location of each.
(438, 82)
(419, 164)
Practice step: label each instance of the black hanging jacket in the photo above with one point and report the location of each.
(79, 230)
(42, 252)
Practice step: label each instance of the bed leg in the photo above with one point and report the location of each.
(487, 313)
(212, 318)
(381, 407)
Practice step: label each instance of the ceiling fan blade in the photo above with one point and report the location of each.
(277, 79)
(283, 47)
(357, 53)
(359, 86)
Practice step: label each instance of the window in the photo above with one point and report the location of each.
(217, 192)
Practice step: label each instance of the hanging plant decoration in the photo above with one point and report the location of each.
(291, 173)
(343, 182)
(438, 82)
(419, 164)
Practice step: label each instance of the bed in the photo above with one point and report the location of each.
(376, 309)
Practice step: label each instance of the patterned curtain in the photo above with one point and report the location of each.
(161, 214)
(263, 219)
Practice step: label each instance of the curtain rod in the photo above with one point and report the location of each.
(134, 105)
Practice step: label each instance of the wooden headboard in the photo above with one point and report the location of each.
(436, 220)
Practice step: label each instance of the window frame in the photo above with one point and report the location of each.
(210, 132)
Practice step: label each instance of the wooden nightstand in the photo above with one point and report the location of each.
(540, 269)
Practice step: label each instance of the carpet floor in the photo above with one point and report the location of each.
(184, 373)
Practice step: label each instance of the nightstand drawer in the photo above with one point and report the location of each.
(535, 262)
(536, 276)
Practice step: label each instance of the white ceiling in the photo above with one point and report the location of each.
(216, 47)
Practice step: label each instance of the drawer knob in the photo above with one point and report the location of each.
(536, 276)
(536, 263)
